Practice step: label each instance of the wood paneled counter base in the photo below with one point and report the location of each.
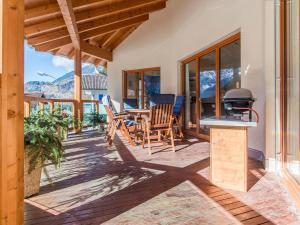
(229, 154)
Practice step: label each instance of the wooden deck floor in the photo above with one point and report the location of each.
(122, 185)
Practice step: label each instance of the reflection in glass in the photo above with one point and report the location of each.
(133, 85)
(230, 68)
(151, 85)
(190, 95)
(292, 89)
(207, 88)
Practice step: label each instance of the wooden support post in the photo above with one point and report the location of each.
(41, 107)
(51, 106)
(27, 109)
(97, 107)
(77, 90)
(12, 112)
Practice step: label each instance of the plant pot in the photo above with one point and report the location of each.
(101, 127)
(31, 180)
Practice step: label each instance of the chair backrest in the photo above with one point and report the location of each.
(109, 113)
(130, 103)
(178, 105)
(106, 100)
(161, 115)
(156, 99)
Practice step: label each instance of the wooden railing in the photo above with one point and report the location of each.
(40, 103)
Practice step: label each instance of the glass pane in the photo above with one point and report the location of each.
(190, 95)
(151, 85)
(292, 89)
(133, 85)
(230, 68)
(207, 88)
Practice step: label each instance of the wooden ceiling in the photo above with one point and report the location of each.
(96, 27)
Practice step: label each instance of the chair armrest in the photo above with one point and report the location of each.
(119, 117)
(146, 118)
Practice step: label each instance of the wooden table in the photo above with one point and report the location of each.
(138, 111)
(229, 152)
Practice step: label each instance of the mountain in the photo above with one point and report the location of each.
(62, 87)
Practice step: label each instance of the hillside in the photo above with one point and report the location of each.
(62, 87)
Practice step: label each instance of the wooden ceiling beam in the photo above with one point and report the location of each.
(53, 8)
(98, 61)
(104, 17)
(67, 12)
(95, 51)
(53, 44)
(113, 7)
(107, 29)
(71, 53)
(117, 35)
(101, 39)
(122, 38)
(56, 40)
(85, 57)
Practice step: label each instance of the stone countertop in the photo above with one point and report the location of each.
(227, 122)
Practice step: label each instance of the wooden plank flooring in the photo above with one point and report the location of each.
(98, 184)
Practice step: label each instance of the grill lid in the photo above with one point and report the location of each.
(238, 93)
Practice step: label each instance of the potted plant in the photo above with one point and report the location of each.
(62, 120)
(102, 122)
(42, 143)
(97, 119)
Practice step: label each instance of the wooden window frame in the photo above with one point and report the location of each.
(141, 72)
(214, 48)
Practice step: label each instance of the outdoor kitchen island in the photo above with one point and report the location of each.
(229, 152)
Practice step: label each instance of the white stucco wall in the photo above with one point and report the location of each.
(188, 26)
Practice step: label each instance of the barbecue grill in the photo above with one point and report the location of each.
(238, 102)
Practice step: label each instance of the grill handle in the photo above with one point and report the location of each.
(250, 109)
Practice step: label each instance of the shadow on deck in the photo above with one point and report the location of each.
(123, 185)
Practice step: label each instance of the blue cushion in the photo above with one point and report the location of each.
(161, 99)
(130, 103)
(129, 123)
(178, 105)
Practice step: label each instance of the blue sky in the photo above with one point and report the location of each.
(46, 63)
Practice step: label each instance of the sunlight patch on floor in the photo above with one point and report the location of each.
(181, 204)
(94, 189)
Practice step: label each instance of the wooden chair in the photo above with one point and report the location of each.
(160, 120)
(119, 122)
(177, 114)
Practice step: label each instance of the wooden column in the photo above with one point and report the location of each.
(78, 112)
(97, 107)
(42, 107)
(27, 109)
(51, 106)
(11, 112)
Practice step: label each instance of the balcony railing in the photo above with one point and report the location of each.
(37, 104)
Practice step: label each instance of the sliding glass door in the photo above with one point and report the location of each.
(191, 95)
(230, 68)
(207, 76)
(140, 84)
(292, 93)
(207, 84)
(151, 85)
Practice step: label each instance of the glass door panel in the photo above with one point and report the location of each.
(230, 68)
(134, 86)
(207, 88)
(151, 85)
(292, 90)
(190, 95)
